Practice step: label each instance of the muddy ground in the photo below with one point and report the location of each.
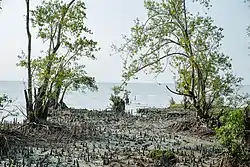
(104, 138)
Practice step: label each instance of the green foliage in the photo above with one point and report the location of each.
(4, 99)
(62, 29)
(231, 134)
(189, 44)
(157, 154)
(117, 103)
(237, 99)
(82, 82)
(5, 102)
(176, 106)
(172, 101)
(120, 90)
(117, 98)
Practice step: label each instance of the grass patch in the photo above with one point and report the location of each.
(157, 154)
(176, 105)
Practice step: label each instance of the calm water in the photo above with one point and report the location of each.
(142, 95)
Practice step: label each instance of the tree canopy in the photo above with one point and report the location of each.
(61, 27)
(188, 44)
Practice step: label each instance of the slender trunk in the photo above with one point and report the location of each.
(56, 97)
(196, 101)
(43, 97)
(191, 57)
(40, 107)
(35, 94)
(55, 89)
(29, 97)
(63, 94)
(61, 102)
(58, 92)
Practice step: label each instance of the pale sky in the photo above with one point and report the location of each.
(109, 19)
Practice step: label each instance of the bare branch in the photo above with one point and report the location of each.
(21, 109)
(178, 93)
(168, 41)
(168, 55)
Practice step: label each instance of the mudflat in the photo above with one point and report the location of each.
(79, 137)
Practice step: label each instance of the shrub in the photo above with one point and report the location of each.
(176, 106)
(185, 104)
(5, 102)
(231, 134)
(163, 157)
(117, 103)
(117, 98)
(172, 101)
(157, 154)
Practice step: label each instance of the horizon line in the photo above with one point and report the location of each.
(115, 82)
(104, 82)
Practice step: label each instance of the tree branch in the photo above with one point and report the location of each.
(168, 41)
(178, 93)
(168, 55)
(149, 64)
(58, 43)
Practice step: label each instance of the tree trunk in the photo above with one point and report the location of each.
(41, 106)
(54, 100)
(185, 102)
(63, 94)
(43, 99)
(39, 111)
(28, 95)
(30, 113)
(57, 94)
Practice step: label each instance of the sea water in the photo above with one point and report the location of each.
(142, 95)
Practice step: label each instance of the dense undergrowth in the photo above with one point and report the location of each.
(230, 126)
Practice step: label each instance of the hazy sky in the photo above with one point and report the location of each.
(109, 19)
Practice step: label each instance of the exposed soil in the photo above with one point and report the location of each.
(104, 138)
